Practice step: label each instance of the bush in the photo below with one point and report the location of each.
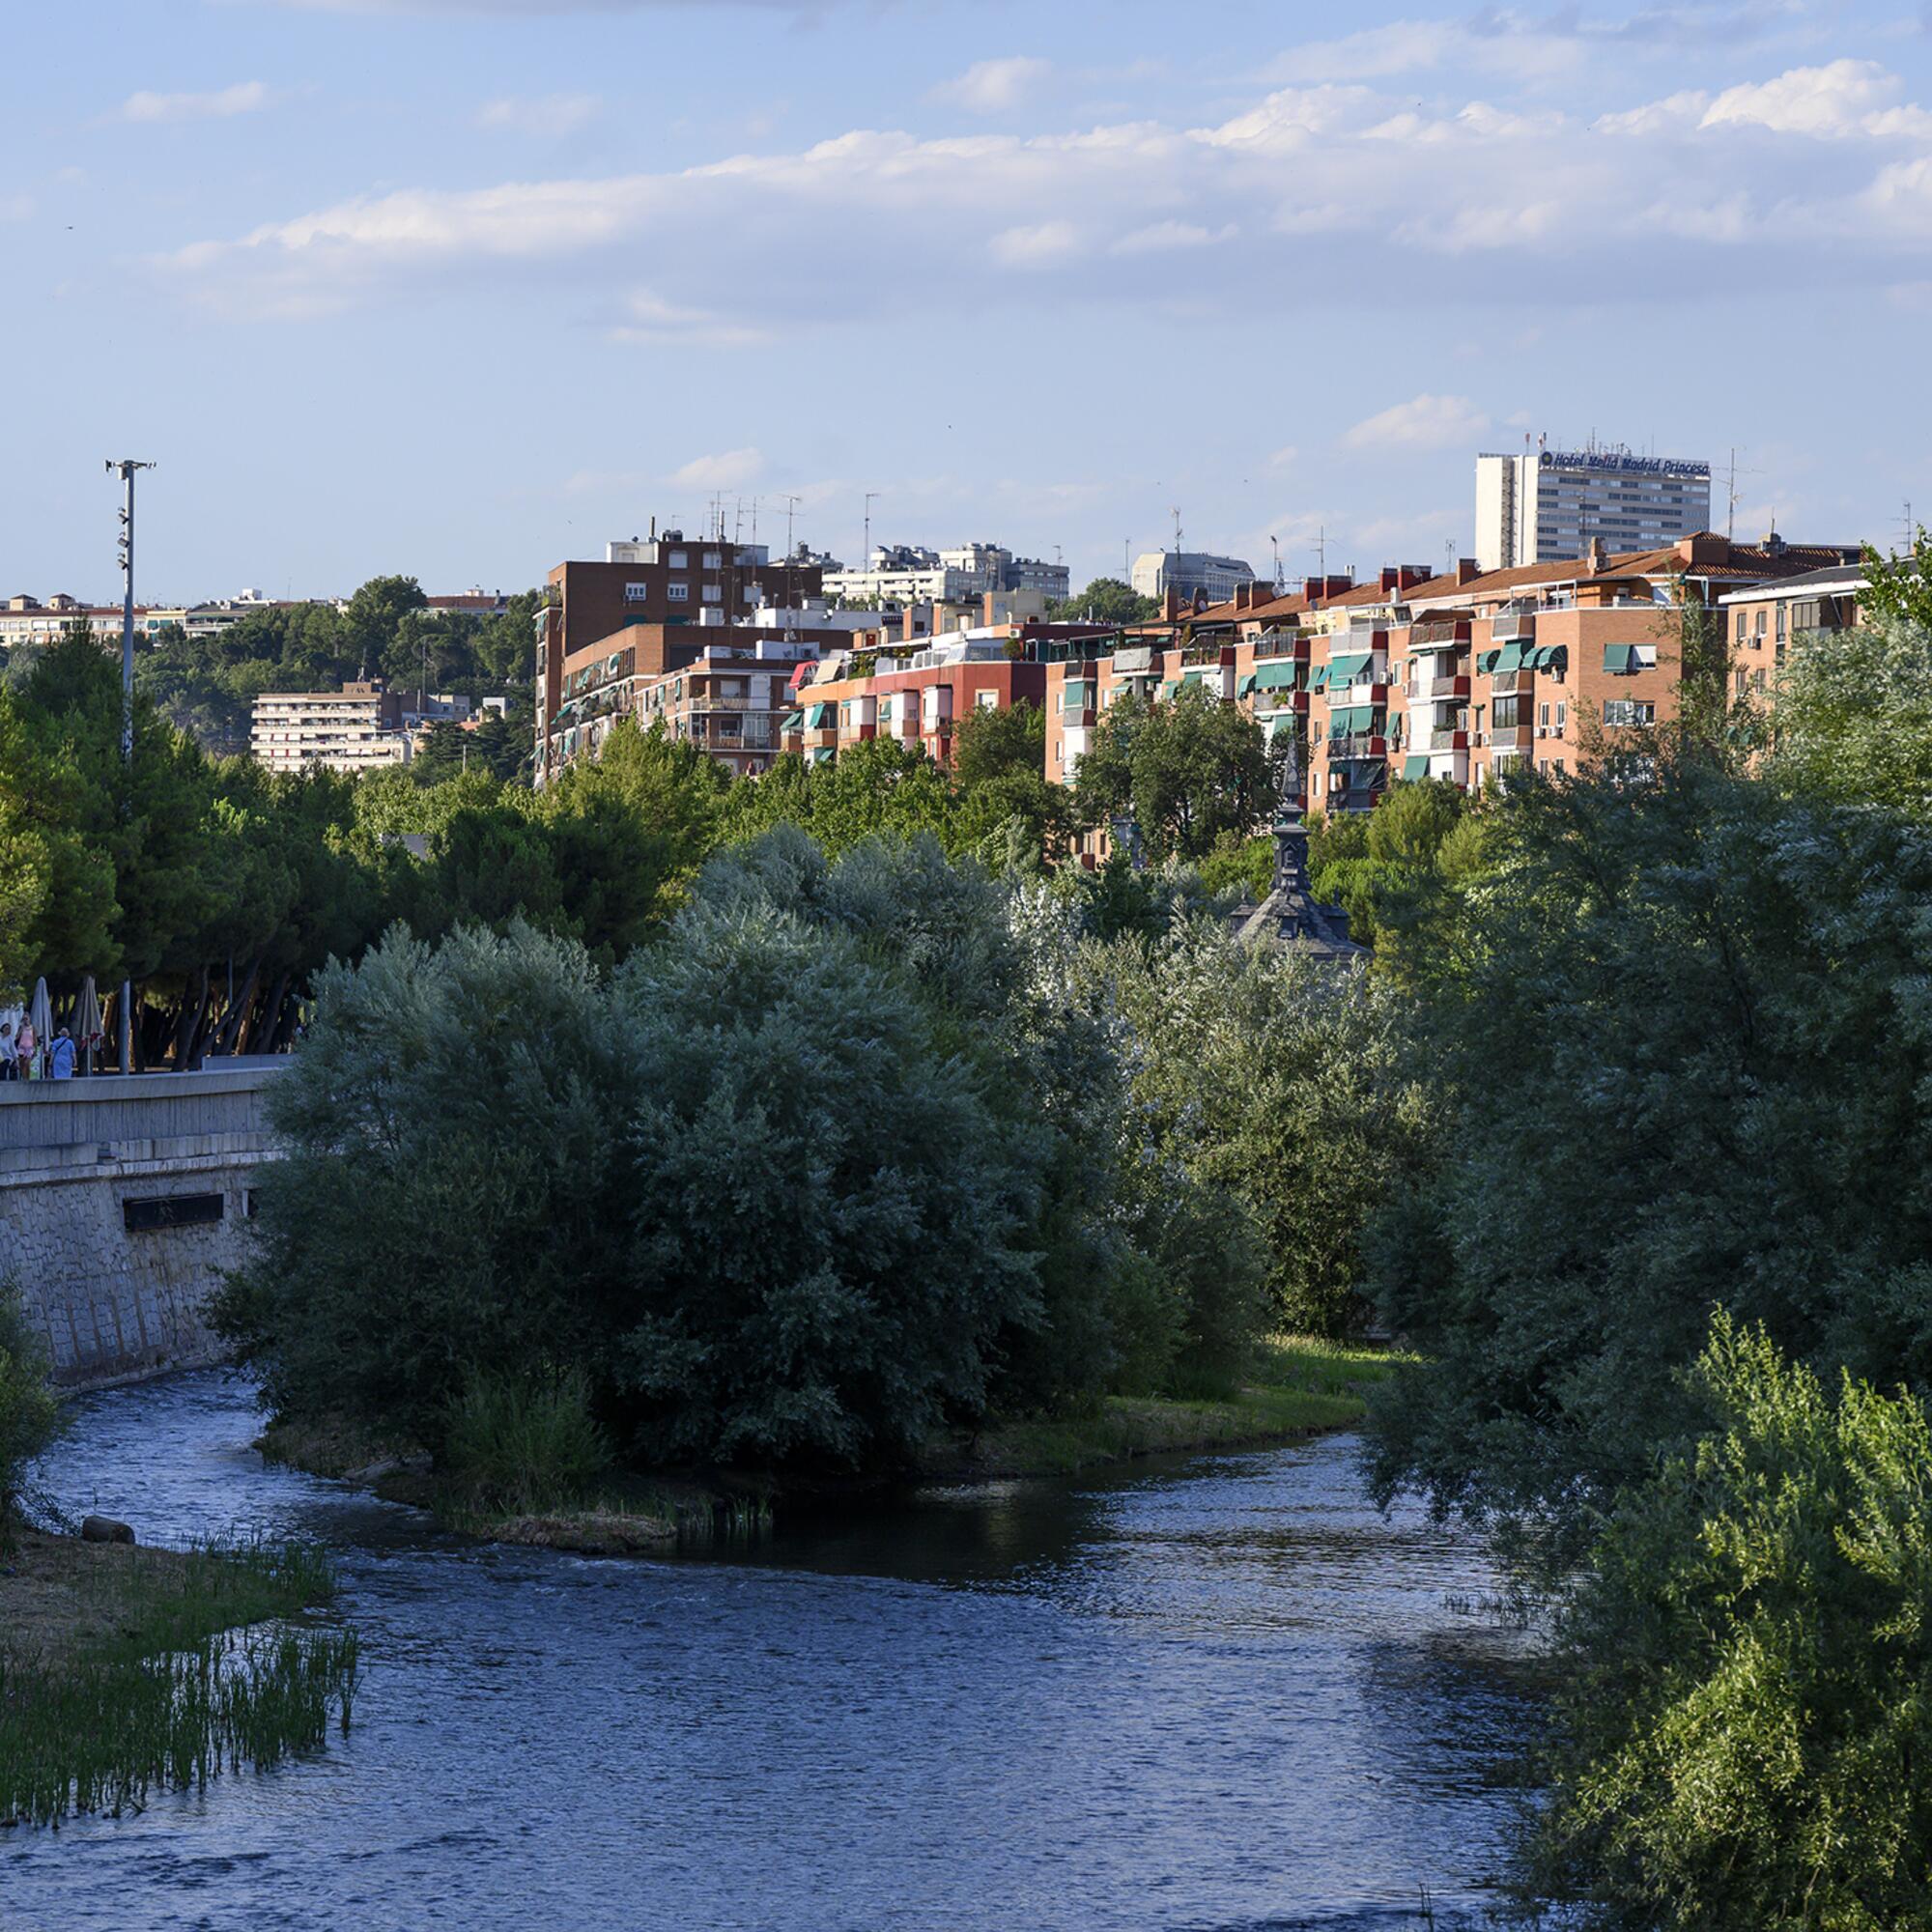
(30, 1414)
(1744, 1725)
(525, 1443)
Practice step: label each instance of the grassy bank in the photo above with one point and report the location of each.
(125, 1669)
(1301, 1386)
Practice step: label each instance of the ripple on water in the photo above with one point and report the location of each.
(1222, 1700)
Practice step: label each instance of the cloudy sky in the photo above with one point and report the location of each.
(464, 287)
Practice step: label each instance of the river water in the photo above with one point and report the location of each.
(1220, 1697)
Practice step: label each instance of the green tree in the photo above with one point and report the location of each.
(30, 1417)
(1106, 600)
(1743, 1725)
(1898, 589)
(1681, 1040)
(1853, 716)
(1188, 771)
(375, 620)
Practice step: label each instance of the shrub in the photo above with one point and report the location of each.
(30, 1415)
(525, 1441)
(1745, 1724)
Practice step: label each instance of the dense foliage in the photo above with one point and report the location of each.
(1745, 1723)
(845, 1152)
(29, 1415)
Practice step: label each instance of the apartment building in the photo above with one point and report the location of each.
(1190, 575)
(1548, 506)
(28, 620)
(1761, 620)
(1462, 675)
(353, 729)
(730, 700)
(915, 698)
(903, 575)
(643, 607)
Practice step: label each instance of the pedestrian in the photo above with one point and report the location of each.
(26, 1049)
(10, 1067)
(61, 1060)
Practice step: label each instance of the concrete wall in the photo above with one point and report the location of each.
(117, 1304)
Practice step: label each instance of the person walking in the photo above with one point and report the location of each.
(26, 1050)
(60, 1062)
(9, 1066)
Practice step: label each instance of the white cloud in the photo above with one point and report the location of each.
(1391, 194)
(1283, 456)
(728, 469)
(1423, 422)
(1038, 246)
(549, 114)
(1162, 237)
(1839, 101)
(245, 97)
(994, 86)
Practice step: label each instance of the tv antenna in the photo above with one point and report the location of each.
(871, 497)
(1731, 497)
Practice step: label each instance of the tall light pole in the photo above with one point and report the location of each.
(126, 467)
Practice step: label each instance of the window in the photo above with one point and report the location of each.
(1543, 713)
(713, 560)
(1509, 714)
(1780, 623)
(1760, 624)
(1562, 717)
(1628, 711)
(1757, 679)
(678, 559)
(750, 594)
(146, 1213)
(1741, 681)
(987, 700)
(1741, 627)
(712, 593)
(637, 593)
(678, 593)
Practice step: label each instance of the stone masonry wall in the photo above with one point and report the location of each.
(117, 1303)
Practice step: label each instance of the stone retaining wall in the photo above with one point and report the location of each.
(119, 1302)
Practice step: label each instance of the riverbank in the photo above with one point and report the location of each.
(1301, 1387)
(124, 1668)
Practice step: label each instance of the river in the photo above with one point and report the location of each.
(1219, 1697)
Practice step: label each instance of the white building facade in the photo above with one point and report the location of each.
(1545, 505)
(1190, 572)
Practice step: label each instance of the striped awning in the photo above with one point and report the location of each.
(822, 754)
(1415, 767)
(819, 718)
(793, 721)
(1352, 721)
(1349, 669)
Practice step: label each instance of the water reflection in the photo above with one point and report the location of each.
(1229, 1697)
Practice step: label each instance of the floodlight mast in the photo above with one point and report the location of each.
(126, 467)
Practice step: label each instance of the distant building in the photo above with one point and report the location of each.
(1546, 505)
(353, 729)
(651, 605)
(1189, 573)
(906, 574)
(730, 700)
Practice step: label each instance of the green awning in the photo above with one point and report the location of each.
(1352, 721)
(1414, 768)
(1619, 657)
(1168, 689)
(1076, 694)
(1544, 656)
(794, 720)
(1318, 678)
(1510, 657)
(1245, 688)
(822, 754)
(1275, 676)
(1199, 673)
(1486, 660)
(818, 718)
(1349, 669)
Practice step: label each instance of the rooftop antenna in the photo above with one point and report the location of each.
(871, 497)
(1177, 533)
(127, 469)
(1731, 497)
(1910, 529)
(791, 600)
(1321, 555)
(1280, 582)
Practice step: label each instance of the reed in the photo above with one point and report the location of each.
(186, 1666)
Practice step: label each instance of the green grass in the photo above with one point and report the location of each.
(1301, 1386)
(161, 1668)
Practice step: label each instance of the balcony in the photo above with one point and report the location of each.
(1277, 644)
(1512, 738)
(1512, 627)
(1448, 739)
(1358, 744)
(1445, 687)
(1208, 654)
(1438, 635)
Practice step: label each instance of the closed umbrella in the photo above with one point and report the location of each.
(41, 1012)
(87, 1021)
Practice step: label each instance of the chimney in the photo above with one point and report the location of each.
(1593, 563)
(1391, 577)
(1467, 569)
(1170, 603)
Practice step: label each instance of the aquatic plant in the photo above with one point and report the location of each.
(203, 1673)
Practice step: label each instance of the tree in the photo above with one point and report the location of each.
(1368, 863)
(1188, 771)
(1684, 1048)
(1743, 1728)
(374, 617)
(1898, 589)
(1853, 716)
(1106, 600)
(30, 1415)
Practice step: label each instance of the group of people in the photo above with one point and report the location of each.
(23, 1056)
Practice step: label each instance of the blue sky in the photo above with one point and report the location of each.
(464, 289)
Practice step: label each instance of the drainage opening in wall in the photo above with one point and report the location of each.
(143, 1213)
